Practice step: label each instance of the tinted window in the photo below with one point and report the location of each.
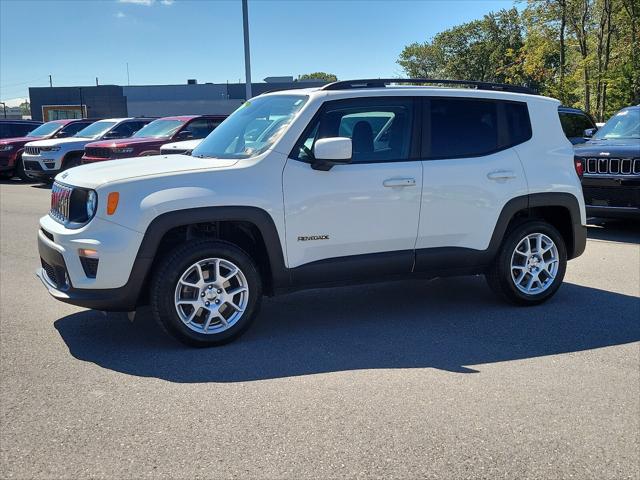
(518, 122)
(199, 128)
(10, 130)
(462, 127)
(379, 128)
(71, 129)
(124, 130)
(574, 124)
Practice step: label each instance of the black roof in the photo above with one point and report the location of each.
(383, 82)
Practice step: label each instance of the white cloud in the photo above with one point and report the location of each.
(120, 15)
(167, 2)
(138, 2)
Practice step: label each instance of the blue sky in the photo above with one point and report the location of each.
(169, 41)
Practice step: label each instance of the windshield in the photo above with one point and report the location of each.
(624, 124)
(160, 128)
(45, 129)
(95, 130)
(253, 128)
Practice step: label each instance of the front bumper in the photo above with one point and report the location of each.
(612, 196)
(120, 274)
(39, 166)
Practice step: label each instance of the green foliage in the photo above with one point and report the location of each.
(584, 52)
(327, 77)
(25, 108)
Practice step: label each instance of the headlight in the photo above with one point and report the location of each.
(91, 204)
(50, 149)
(122, 150)
(6, 148)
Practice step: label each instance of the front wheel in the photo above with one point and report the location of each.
(20, 172)
(206, 293)
(530, 265)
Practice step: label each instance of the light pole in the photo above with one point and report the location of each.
(247, 55)
(4, 107)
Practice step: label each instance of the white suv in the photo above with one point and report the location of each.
(353, 182)
(44, 159)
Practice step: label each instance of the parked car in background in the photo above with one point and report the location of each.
(611, 165)
(184, 148)
(150, 139)
(17, 128)
(578, 125)
(11, 149)
(44, 159)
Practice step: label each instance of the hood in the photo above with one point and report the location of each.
(185, 145)
(127, 142)
(59, 141)
(96, 174)
(6, 141)
(610, 148)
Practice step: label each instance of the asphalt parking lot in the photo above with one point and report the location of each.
(409, 379)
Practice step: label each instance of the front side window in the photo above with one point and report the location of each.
(379, 128)
(199, 128)
(623, 125)
(574, 124)
(95, 130)
(44, 130)
(462, 127)
(253, 128)
(71, 129)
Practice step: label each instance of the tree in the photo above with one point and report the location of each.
(325, 77)
(25, 108)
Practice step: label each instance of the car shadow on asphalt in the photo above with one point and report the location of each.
(448, 324)
(614, 230)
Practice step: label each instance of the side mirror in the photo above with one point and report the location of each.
(328, 152)
(589, 132)
(185, 135)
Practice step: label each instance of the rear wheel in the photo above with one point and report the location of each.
(531, 264)
(206, 293)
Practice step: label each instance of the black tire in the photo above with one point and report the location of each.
(20, 173)
(71, 161)
(499, 275)
(170, 270)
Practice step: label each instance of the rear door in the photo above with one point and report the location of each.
(366, 212)
(470, 170)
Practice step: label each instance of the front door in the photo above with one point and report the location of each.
(360, 218)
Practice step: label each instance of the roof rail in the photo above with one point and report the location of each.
(383, 82)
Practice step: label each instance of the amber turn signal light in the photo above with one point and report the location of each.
(112, 202)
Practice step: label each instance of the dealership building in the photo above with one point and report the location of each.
(108, 101)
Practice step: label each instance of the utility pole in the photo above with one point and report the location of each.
(96, 81)
(128, 83)
(247, 55)
(81, 109)
(4, 107)
(50, 81)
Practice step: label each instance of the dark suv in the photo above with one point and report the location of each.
(16, 128)
(148, 140)
(578, 125)
(611, 165)
(11, 149)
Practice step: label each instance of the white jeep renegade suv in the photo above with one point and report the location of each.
(352, 182)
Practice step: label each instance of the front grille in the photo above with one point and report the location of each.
(32, 150)
(34, 166)
(611, 166)
(60, 202)
(56, 275)
(618, 196)
(97, 152)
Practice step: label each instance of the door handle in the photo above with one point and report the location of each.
(501, 175)
(399, 182)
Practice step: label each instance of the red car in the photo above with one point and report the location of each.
(11, 148)
(148, 140)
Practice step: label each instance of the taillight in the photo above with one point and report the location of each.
(578, 163)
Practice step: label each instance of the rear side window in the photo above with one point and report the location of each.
(574, 124)
(518, 122)
(380, 128)
(462, 127)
